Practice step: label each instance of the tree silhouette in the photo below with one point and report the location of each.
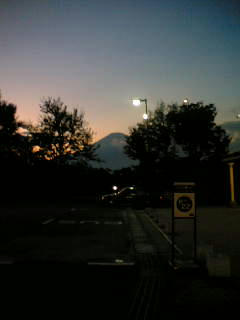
(173, 131)
(10, 139)
(193, 128)
(61, 135)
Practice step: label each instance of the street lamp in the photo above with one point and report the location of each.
(186, 101)
(137, 102)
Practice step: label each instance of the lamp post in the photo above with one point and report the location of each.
(137, 102)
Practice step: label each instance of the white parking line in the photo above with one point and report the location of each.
(164, 235)
(111, 263)
(77, 209)
(48, 221)
(89, 222)
(113, 222)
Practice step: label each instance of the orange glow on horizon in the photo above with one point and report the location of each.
(28, 110)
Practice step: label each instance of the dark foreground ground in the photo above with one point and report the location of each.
(79, 259)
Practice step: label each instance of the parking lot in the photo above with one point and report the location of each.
(103, 247)
(217, 232)
(74, 258)
(69, 234)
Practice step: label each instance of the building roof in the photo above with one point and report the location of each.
(233, 156)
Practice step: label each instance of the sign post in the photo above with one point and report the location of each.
(184, 207)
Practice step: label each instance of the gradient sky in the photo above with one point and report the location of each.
(98, 54)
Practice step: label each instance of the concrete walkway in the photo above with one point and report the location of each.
(218, 233)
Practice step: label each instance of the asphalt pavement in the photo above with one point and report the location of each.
(98, 260)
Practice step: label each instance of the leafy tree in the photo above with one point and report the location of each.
(10, 139)
(194, 130)
(61, 135)
(150, 141)
(173, 131)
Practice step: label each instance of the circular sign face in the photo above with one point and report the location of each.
(184, 204)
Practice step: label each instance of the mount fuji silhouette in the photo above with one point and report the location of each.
(110, 151)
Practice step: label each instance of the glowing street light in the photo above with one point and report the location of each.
(145, 116)
(115, 188)
(186, 101)
(137, 102)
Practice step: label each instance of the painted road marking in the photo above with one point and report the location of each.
(89, 221)
(48, 221)
(164, 235)
(113, 222)
(82, 222)
(78, 209)
(111, 263)
(98, 222)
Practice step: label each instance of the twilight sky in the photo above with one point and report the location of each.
(98, 54)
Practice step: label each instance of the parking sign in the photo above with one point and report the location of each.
(184, 205)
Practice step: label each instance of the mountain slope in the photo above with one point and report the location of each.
(233, 129)
(110, 150)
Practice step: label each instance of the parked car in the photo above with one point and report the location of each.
(136, 197)
(124, 197)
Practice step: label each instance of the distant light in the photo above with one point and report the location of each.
(145, 116)
(131, 188)
(119, 261)
(115, 188)
(185, 101)
(136, 102)
(238, 116)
